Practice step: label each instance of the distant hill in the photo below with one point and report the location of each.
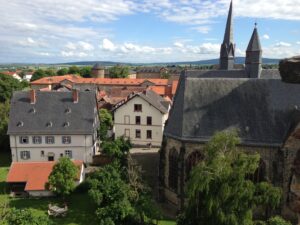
(238, 60)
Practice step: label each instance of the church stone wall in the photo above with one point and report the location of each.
(271, 156)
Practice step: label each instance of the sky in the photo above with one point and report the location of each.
(141, 31)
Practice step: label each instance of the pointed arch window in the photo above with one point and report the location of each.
(173, 169)
(192, 160)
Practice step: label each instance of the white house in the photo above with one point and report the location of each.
(141, 118)
(45, 126)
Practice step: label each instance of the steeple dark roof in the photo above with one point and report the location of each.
(228, 37)
(228, 47)
(254, 44)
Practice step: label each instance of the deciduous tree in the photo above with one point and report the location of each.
(63, 176)
(218, 191)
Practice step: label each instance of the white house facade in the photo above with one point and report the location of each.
(45, 126)
(141, 118)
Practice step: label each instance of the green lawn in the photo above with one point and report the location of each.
(166, 222)
(80, 211)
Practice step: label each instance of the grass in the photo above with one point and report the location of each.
(166, 222)
(81, 211)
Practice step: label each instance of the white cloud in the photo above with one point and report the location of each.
(298, 42)
(202, 29)
(73, 54)
(266, 37)
(107, 45)
(80, 45)
(282, 44)
(178, 44)
(71, 46)
(44, 53)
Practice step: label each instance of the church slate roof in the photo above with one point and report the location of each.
(239, 73)
(261, 109)
(55, 108)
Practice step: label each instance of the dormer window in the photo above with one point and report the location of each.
(66, 124)
(49, 124)
(68, 110)
(32, 110)
(20, 124)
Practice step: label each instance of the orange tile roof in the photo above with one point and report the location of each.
(103, 81)
(8, 73)
(34, 174)
(160, 90)
(56, 79)
(174, 86)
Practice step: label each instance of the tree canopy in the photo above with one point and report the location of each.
(63, 176)
(106, 123)
(62, 71)
(74, 70)
(218, 191)
(119, 71)
(7, 86)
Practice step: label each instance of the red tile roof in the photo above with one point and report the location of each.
(34, 174)
(174, 86)
(8, 73)
(103, 81)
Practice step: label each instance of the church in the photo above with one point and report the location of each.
(256, 102)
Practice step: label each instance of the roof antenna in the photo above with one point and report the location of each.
(255, 23)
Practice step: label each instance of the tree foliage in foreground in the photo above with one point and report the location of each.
(218, 191)
(63, 176)
(13, 216)
(106, 122)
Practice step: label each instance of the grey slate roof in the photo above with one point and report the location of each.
(98, 66)
(266, 74)
(261, 109)
(52, 107)
(254, 44)
(152, 98)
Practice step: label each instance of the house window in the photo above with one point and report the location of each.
(42, 153)
(68, 153)
(25, 154)
(137, 107)
(149, 120)
(149, 134)
(127, 133)
(126, 119)
(137, 133)
(36, 139)
(173, 169)
(66, 139)
(138, 120)
(24, 140)
(49, 140)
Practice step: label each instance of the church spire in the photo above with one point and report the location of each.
(228, 36)
(227, 53)
(254, 55)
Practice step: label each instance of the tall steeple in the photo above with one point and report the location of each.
(227, 53)
(254, 55)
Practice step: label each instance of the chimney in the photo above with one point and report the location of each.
(32, 96)
(75, 96)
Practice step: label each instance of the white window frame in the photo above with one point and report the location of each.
(37, 140)
(22, 138)
(48, 138)
(25, 155)
(69, 153)
(66, 139)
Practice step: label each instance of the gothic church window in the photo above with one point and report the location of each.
(192, 160)
(173, 169)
